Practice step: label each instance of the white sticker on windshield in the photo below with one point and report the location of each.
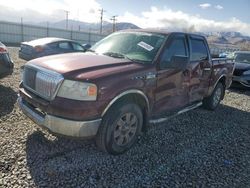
(145, 46)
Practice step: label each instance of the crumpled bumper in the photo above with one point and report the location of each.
(60, 125)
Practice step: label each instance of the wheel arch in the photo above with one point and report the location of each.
(132, 95)
(222, 79)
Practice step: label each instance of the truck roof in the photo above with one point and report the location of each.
(158, 31)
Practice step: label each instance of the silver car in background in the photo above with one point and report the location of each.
(48, 46)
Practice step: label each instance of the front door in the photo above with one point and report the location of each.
(172, 84)
(200, 68)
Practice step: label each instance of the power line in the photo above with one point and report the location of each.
(114, 22)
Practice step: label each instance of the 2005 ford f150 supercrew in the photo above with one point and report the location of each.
(126, 80)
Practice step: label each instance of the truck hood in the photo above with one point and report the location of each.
(84, 65)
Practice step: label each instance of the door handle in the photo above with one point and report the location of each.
(150, 75)
(186, 72)
(207, 69)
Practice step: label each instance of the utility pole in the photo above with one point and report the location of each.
(67, 18)
(114, 22)
(101, 11)
(22, 29)
(47, 29)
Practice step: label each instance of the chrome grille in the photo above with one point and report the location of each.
(29, 77)
(42, 82)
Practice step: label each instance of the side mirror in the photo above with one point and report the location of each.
(179, 62)
(86, 46)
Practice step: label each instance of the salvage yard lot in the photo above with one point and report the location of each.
(197, 149)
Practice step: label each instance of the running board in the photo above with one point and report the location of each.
(160, 120)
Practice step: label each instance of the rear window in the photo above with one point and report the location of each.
(199, 50)
(53, 45)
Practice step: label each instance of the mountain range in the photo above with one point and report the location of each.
(107, 27)
(223, 38)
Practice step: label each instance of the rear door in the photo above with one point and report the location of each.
(172, 84)
(200, 68)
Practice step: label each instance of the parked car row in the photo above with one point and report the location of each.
(51, 46)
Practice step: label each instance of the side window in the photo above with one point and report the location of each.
(176, 47)
(64, 45)
(199, 50)
(53, 45)
(77, 47)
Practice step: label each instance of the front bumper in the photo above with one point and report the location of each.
(60, 125)
(24, 56)
(243, 80)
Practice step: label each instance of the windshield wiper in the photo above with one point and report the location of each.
(119, 55)
(90, 50)
(123, 56)
(115, 55)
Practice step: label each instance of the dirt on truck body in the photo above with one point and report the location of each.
(123, 82)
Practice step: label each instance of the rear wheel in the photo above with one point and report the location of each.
(120, 128)
(214, 99)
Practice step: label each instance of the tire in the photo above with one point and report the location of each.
(120, 128)
(212, 102)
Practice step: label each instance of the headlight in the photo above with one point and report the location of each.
(78, 90)
(246, 72)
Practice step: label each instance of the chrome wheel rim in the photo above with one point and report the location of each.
(217, 96)
(125, 129)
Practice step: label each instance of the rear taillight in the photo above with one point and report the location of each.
(39, 48)
(2, 50)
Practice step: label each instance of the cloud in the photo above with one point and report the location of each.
(219, 7)
(162, 18)
(180, 21)
(49, 10)
(205, 5)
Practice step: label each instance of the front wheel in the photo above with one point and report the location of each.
(214, 99)
(120, 128)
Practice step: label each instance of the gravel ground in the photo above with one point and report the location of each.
(197, 149)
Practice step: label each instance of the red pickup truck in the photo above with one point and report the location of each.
(125, 81)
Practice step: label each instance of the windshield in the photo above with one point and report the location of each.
(242, 58)
(136, 46)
